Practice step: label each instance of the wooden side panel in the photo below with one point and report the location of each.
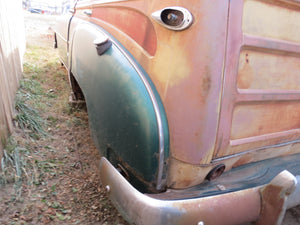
(261, 101)
(261, 70)
(273, 19)
(266, 118)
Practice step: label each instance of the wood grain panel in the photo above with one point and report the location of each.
(263, 70)
(278, 21)
(264, 118)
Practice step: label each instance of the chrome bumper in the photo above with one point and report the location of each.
(265, 204)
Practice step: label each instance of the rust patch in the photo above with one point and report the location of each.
(273, 204)
(206, 84)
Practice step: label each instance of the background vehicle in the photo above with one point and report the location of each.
(178, 93)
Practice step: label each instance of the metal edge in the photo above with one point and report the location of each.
(220, 159)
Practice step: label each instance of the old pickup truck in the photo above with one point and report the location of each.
(194, 105)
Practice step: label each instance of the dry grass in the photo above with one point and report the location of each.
(49, 169)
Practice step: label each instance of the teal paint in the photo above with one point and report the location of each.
(122, 117)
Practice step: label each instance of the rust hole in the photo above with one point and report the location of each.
(215, 172)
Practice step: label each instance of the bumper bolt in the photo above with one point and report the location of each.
(107, 188)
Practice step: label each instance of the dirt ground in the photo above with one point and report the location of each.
(50, 176)
(59, 183)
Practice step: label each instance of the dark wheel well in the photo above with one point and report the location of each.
(77, 94)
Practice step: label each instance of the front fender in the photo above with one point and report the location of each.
(126, 115)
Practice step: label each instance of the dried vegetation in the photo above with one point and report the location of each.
(48, 172)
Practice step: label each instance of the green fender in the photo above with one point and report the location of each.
(126, 115)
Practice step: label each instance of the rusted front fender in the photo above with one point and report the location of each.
(264, 204)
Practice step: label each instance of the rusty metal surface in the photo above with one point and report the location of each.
(238, 178)
(224, 82)
(184, 175)
(186, 66)
(274, 198)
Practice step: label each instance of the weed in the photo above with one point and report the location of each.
(3, 141)
(75, 189)
(31, 69)
(53, 187)
(31, 88)
(15, 167)
(29, 118)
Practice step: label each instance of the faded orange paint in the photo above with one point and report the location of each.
(131, 22)
(173, 69)
(229, 83)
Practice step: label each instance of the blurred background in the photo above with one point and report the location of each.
(52, 7)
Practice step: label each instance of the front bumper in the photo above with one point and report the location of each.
(264, 204)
